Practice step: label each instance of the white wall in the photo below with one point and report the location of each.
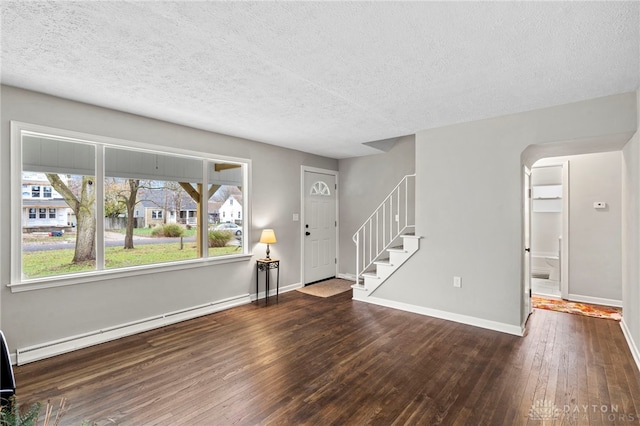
(34, 317)
(631, 241)
(469, 206)
(364, 183)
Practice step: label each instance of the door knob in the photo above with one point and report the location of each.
(307, 233)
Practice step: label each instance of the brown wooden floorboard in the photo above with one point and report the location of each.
(321, 361)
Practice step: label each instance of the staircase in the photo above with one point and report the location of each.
(386, 239)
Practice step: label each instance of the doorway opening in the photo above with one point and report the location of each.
(591, 201)
(549, 217)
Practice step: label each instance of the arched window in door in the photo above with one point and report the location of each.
(321, 189)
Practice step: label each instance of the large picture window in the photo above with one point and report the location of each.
(99, 205)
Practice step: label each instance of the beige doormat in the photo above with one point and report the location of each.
(327, 288)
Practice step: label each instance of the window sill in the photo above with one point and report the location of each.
(94, 276)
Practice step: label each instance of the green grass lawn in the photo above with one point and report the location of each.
(57, 262)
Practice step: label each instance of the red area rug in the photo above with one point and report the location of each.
(597, 311)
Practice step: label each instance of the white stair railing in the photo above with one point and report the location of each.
(390, 220)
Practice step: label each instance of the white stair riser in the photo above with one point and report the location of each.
(397, 258)
(384, 271)
(411, 244)
(371, 283)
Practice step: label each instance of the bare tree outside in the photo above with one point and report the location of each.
(82, 201)
(224, 192)
(121, 199)
(130, 203)
(176, 197)
(113, 202)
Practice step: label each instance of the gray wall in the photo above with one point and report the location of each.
(364, 183)
(595, 242)
(631, 240)
(469, 205)
(38, 316)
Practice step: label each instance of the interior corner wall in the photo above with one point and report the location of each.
(631, 241)
(39, 316)
(364, 183)
(469, 206)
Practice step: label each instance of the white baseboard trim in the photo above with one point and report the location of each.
(523, 326)
(273, 292)
(449, 316)
(349, 277)
(630, 342)
(289, 287)
(71, 343)
(594, 300)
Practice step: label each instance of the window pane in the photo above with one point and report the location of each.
(225, 208)
(148, 204)
(56, 239)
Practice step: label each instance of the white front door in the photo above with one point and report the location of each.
(319, 226)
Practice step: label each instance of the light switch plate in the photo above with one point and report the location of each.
(599, 205)
(457, 282)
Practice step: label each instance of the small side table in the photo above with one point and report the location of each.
(266, 265)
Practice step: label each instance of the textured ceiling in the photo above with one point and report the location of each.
(322, 77)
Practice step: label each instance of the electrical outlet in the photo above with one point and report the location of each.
(457, 282)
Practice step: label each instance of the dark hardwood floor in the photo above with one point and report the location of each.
(308, 360)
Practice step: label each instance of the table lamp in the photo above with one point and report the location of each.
(268, 237)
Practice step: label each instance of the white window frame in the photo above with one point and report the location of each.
(18, 283)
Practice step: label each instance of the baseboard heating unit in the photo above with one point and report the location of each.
(72, 343)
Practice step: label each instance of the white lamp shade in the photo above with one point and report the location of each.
(268, 237)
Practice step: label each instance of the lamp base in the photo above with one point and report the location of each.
(268, 251)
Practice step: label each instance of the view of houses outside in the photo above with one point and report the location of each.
(49, 223)
(43, 208)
